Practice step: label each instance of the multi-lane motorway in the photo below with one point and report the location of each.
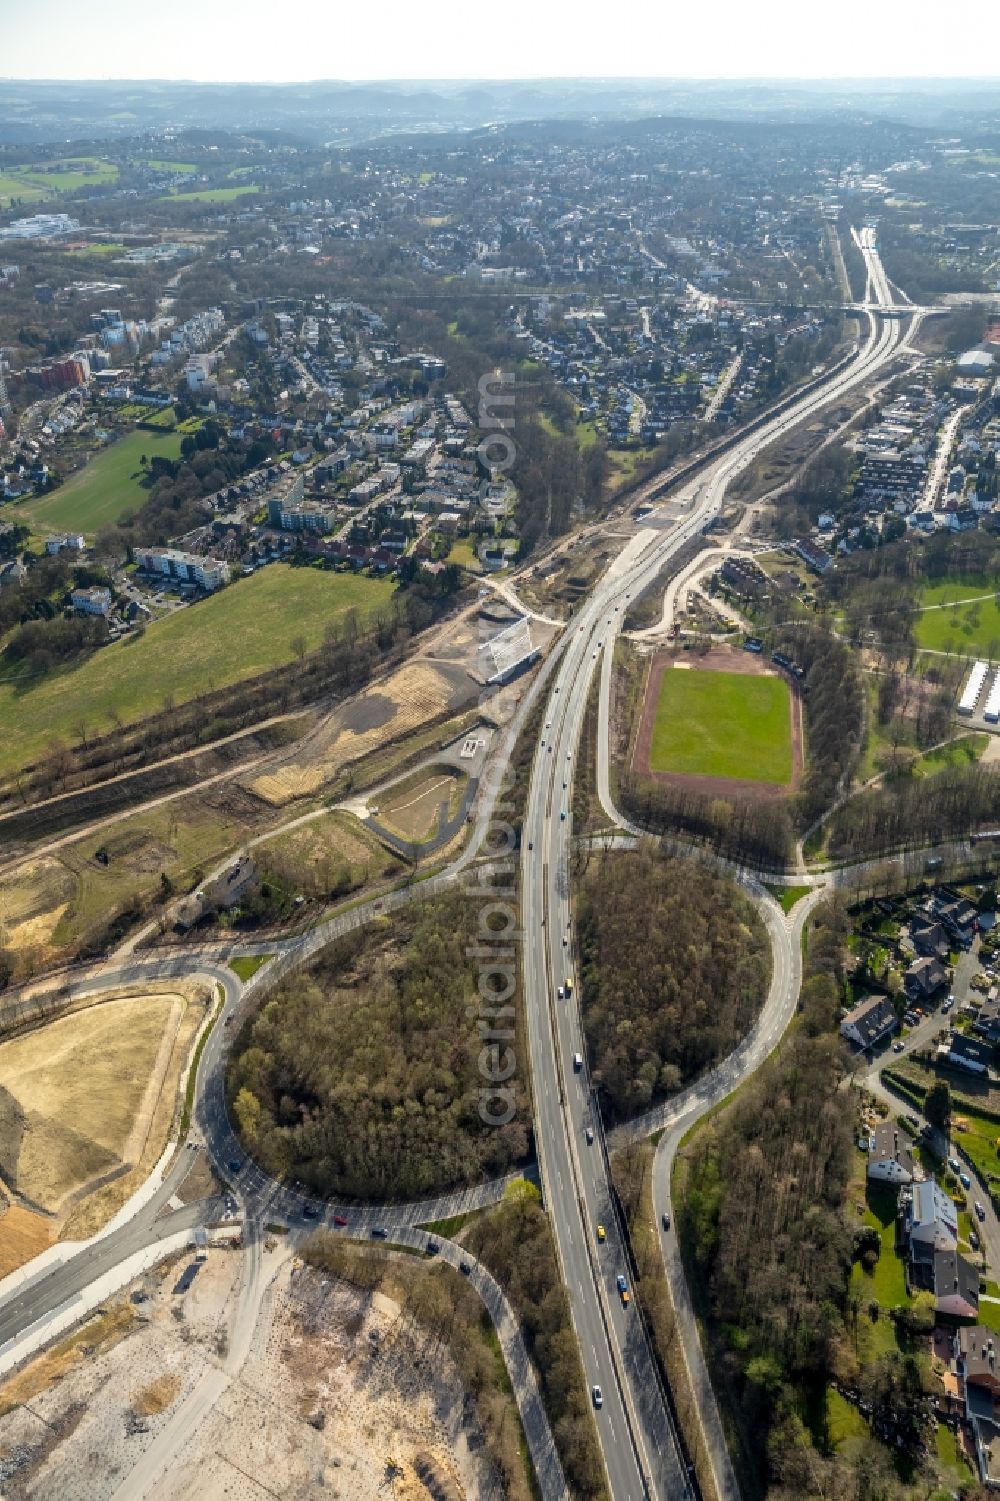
(642, 1455)
(641, 1452)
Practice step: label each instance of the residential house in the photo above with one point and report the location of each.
(956, 914)
(930, 1218)
(987, 1023)
(91, 601)
(869, 1022)
(976, 1358)
(927, 937)
(65, 542)
(972, 1054)
(815, 557)
(956, 1286)
(225, 892)
(890, 1156)
(924, 977)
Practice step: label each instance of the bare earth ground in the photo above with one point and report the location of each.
(337, 1394)
(414, 695)
(718, 660)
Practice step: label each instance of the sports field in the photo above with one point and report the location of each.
(104, 488)
(213, 195)
(242, 631)
(723, 724)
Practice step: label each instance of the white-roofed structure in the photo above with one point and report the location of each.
(509, 651)
(973, 688)
(992, 709)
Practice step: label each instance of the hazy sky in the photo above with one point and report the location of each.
(294, 40)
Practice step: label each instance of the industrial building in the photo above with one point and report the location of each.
(973, 688)
(991, 713)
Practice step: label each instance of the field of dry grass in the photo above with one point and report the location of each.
(33, 899)
(153, 1124)
(417, 694)
(23, 1235)
(411, 809)
(72, 1094)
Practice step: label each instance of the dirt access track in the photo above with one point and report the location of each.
(721, 659)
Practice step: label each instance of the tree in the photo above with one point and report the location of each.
(937, 1103)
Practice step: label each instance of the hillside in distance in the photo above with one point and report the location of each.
(37, 111)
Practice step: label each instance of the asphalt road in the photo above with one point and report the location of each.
(641, 1451)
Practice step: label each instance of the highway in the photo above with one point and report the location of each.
(641, 1451)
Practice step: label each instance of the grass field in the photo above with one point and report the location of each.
(723, 724)
(163, 166)
(72, 1092)
(244, 630)
(247, 965)
(887, 1283)
(103, 247)
(178, 841)
(330, 854)
(43, 180)
(213, 195)
(12, 188)
(950, 1456)
(104, 488)
(843, 1420)
(463, 553)
(962, 753)
(960, 628)
(787, 896)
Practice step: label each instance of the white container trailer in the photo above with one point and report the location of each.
(973, 688)
(992, 709)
